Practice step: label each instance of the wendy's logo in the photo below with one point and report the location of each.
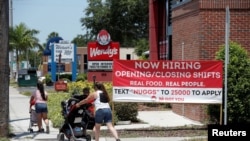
(103, 37)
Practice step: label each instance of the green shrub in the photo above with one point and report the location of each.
(122, 111)
(54, 107)
(76, 87)
(67, 77)
(48, 80)
(115, 118)
(126, 111)
(238, 84)
(81, 77)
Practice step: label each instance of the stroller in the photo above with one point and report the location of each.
(76, 120)
(33, 118)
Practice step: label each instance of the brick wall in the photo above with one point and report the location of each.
(195, 112)
(185, 35)
(199, 31)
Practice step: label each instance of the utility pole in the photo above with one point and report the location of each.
(11, 54)
(11, 13)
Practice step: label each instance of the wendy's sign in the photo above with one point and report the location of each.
(103, 49)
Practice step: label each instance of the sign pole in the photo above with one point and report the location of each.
(53, 65)
(113, 112)
(221, 109)
(226, 61)
(59, 66)
(74, 64)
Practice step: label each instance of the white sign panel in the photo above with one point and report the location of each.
(100, 65)
(66, 51)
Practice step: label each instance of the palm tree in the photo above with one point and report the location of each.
(52, 34)
(22, 39)
(39, 53)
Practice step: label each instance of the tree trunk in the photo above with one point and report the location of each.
(4, 68)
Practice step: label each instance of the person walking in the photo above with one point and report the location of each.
(40, 96)
(102, 110)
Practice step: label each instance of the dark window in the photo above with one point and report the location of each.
(128, 57)
(85, 63)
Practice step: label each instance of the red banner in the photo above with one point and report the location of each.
(163, 81)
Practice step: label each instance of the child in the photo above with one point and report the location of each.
(91, 108)
(32, 103)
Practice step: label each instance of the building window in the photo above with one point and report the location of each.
(85, 63)
(128, 57)
(78, 63)
(176, 3)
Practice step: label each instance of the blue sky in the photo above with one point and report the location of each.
(61, 16)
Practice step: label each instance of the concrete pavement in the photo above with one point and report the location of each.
(20, 121)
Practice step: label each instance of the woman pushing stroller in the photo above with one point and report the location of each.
(102, 109)
(40, 97)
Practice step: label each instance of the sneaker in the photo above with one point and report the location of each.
(47, 129)
(40, 130)
(118, 140)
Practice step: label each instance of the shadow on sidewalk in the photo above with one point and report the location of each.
(19, 119)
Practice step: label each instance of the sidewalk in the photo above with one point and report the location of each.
(20, 121)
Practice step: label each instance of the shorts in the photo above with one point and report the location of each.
(103, 115)
(41, 108)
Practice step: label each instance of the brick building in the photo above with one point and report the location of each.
(194, 30)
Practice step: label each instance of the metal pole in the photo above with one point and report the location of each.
(11, 13)
(182, 58)
(221, 114)
(182, 51)
(59, 66)
(226, 61)
(11, 54)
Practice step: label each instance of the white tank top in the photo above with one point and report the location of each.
(98, 103)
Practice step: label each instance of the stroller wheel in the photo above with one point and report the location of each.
(31, 130)
(60, 137)
(88, 137)
(71, 138)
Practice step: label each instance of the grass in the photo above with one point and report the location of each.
(191, 134)
(26, 93)
(196, 139)
(13, 83)
(4, 139)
